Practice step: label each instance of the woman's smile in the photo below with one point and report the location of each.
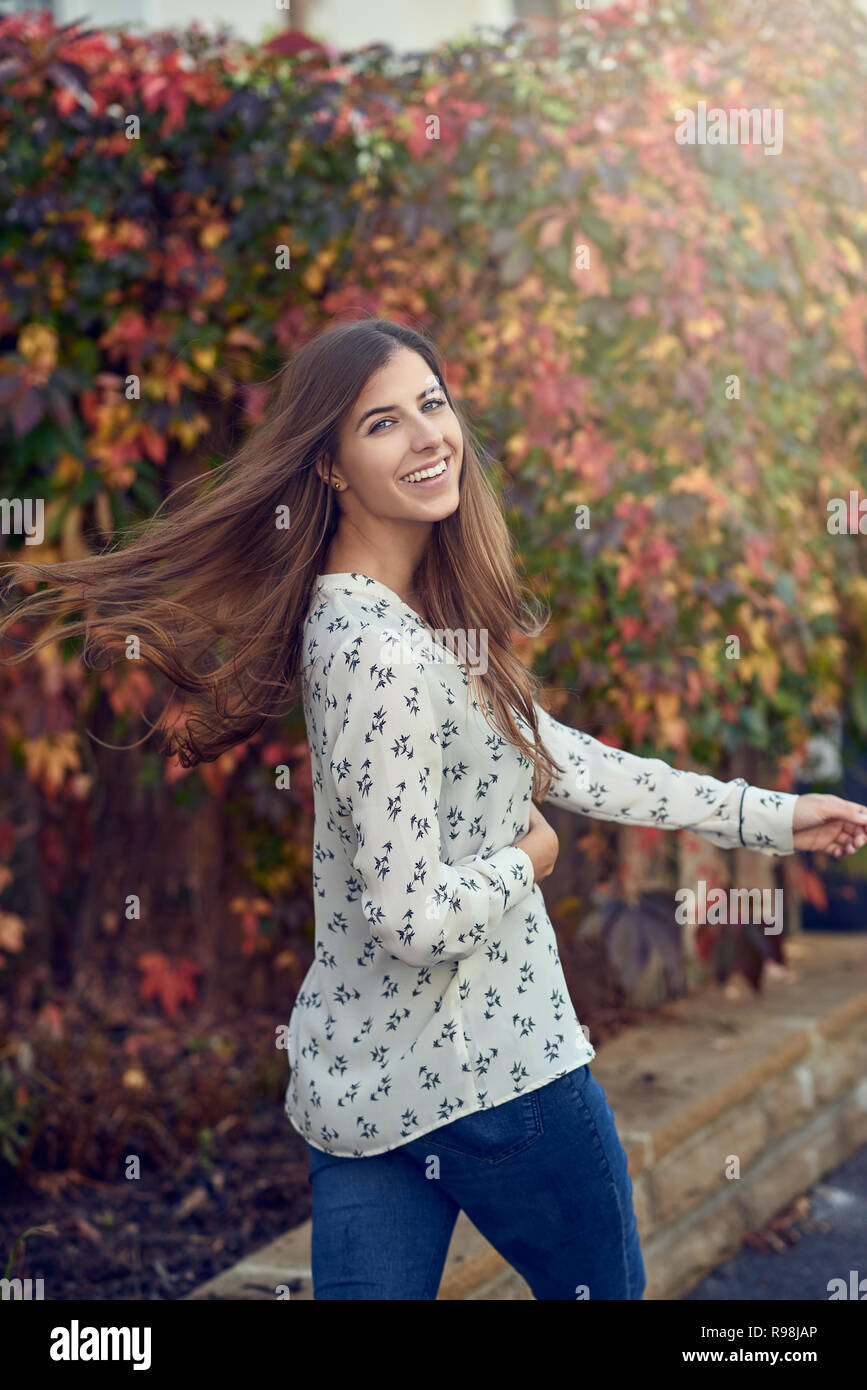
(439, 471)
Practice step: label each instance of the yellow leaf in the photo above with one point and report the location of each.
(212, 234)
(189, 431)
(68, 470)
(11, 932)
(37, 343)
(662, 347)
(757, 631)
(703, 327)
(710, 658)
(858, 588)
(313, 279)
(205, 358)
(768, 671)
(839, 360)
(850, 253)
(819, 603)
(50, 756)
(693, 480)
(667, 703)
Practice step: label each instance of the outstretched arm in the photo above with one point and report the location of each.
(611, 784)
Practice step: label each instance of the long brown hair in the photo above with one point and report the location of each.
(217, 591)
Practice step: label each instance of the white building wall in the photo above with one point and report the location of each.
(407, 25)
(251, 21)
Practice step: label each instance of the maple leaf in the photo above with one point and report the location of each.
(172, 983)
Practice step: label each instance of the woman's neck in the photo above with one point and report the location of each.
(341, 562)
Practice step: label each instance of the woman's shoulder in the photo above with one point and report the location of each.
(345, 630)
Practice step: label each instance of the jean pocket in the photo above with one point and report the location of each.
(494, 1134)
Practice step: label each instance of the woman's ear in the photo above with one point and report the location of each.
(322, 469)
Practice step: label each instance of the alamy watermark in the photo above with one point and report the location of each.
(465, 646)
(17, 518)
(698, 907)
(736, 126)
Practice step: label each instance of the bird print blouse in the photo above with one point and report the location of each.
(437, 989)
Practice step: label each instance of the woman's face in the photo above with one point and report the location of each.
(400, 424)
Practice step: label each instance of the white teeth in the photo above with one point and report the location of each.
(426, 473)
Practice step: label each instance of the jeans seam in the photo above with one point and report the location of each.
(435, 1258)
(613, 1179)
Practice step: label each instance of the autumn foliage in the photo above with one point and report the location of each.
(178, 214)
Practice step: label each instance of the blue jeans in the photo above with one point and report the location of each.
(543, 1177)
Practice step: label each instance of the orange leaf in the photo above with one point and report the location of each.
(551, 231)
(172, 984)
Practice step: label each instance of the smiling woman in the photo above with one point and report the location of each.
(399, 473)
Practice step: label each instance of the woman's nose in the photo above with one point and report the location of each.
(426, 434)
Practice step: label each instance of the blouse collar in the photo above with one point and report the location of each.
(370, 588)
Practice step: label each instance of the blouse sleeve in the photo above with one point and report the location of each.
(387, 769)
(611, 784)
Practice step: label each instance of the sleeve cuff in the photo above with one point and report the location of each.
(513, 868)
(517, 870)
(765, 820)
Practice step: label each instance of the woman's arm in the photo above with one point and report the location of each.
(611, 784)
(387, 769)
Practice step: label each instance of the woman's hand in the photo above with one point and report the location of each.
(829, 823)
(541, 844)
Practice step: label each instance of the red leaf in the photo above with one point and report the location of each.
(172, 984)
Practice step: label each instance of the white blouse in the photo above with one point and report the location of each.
(437, 988)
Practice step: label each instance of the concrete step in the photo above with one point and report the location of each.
(473, 1269)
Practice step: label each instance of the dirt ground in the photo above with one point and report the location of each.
(160, 1239)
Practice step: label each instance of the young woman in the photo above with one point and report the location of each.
(436, 1062)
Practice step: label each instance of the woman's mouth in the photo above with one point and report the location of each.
(440, 475)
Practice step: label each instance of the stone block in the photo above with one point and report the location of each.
(696, 1169)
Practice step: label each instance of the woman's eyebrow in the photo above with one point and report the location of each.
(378, 410)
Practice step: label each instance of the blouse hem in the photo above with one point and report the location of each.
(441, 1124)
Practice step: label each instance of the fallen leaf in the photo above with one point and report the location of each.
(193, 1200)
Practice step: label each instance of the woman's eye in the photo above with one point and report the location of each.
(386, 418)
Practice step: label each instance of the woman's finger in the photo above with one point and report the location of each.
(849, 844)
